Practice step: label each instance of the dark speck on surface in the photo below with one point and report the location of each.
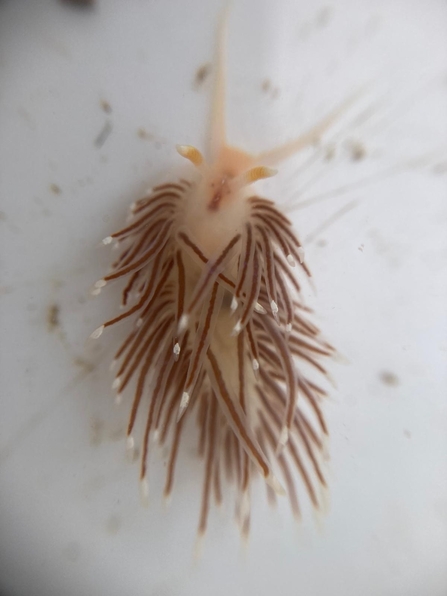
(202, 73)
(53, 317)
(269, 89)
(144, 134)
(357, 150)
(105, 106)
(389, 378)
(104, 134)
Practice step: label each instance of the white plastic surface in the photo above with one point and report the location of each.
(71, 520)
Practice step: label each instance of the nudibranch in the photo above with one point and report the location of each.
(220, 330)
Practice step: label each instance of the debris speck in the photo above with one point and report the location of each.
(55, 189)
(105, 106)
(357, 150)
(389, 378)
(407, 433)
(53, 317)
(268, 88)
(104, 134)
(266, 85)
(144, 134)
(361, 247)
(202, 73)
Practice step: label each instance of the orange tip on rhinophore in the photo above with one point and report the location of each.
(190, 153)
(258, 173)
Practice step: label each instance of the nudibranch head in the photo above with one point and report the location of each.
(227, 179)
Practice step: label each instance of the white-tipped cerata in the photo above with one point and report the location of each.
(183, 404)
(260, 309)
(237, 329)
(176, 350)
(291, 260)
(283, 438)
(97, 332)
(183, 323)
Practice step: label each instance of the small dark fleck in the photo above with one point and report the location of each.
(389, 378)
(202, 73)
(55, 189)
(144, 134)
(53, 317)
(105, 106)
(268, 88)
(104, 134)
(357, 150)
(266, 85)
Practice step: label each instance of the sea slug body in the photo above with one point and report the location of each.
(220, 329)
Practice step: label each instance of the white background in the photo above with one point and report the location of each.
(71, 521)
